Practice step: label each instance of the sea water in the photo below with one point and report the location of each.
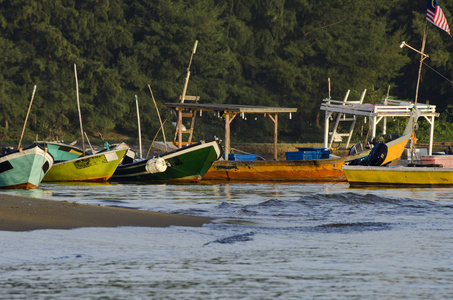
(269, 241)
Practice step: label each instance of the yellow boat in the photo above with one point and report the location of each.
(397, 175)
(96, 167)
(393, 176)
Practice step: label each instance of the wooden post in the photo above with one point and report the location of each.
(275, 120)
(227, 135)
(275, 136)
(179, 128)
(192, 126)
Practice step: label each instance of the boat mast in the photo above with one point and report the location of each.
(160, 120)
(139, 130)
(26, 118)
(78, 107)
(186, 83)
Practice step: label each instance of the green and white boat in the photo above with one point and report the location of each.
(187, 164)
(24, 168)
(96, 167)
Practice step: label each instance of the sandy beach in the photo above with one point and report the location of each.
(23, 214)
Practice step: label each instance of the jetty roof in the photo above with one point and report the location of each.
(237, 108)
(229, 111)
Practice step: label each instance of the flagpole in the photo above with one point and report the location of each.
(422, 58)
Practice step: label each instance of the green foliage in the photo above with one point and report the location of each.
(255, 52)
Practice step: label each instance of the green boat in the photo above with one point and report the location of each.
(25, 168)
(96, 167)
(187, 164)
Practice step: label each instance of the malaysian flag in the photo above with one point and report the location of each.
(436, 16)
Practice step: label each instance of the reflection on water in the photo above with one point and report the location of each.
(277, 240)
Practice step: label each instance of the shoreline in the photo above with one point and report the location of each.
(18, 213)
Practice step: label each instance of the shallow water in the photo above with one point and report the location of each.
(288, 241)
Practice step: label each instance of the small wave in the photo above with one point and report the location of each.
(353, 227)
(234, 239)
(190, 211)
(349, 198)
(352, 207)
(272, 202)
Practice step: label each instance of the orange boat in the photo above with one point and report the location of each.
(281, 170)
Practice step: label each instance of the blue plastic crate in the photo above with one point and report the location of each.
(307, 153)
(303, 155)
(310, 148)
(235, 156)
(325, 153)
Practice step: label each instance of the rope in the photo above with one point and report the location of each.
(155, 138)
(438, 73)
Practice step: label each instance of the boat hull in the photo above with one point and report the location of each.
(24, 169)
(285, 170)
(97, 167)
(62, 152)
(397, 176)
(188, 164)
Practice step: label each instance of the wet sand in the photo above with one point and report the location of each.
(23, 214)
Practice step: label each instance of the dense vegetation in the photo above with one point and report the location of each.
(256, 52)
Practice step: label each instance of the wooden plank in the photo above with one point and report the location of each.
(187, 115)
(189, 98)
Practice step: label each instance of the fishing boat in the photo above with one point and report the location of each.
(426, 173)
(280, 170)
(399, 176)
(96, 167)
(186, 164)
(182, 164)
(411, 174)
(24, 168)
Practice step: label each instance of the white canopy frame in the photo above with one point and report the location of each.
(376, 113)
